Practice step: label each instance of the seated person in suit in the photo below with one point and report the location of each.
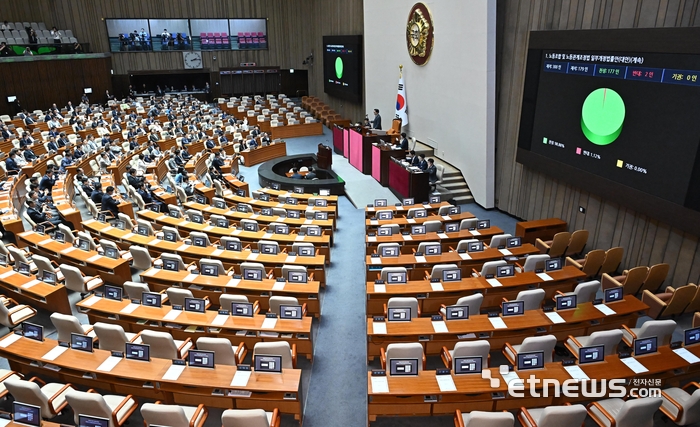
(97, 194)
(404, 142)
(66, 161)
(296, 174)
(51, 145)
(415, 161)
(311, 174)
(134, 180)
(265, 139)
(34, 212)
(148, 197)
(422, 163)
(210, 143)
(28, 154)
(86, 186)
(11, 164)
(252, 144)
(109, 203)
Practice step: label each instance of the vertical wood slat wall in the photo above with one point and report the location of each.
(529, 194)
(294, 28)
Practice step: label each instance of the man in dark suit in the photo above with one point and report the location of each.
(265, 139)
(311, 174)
(109, 203)
(34, 212)
(52, 146)
(210, 143)
(415, 161)
(49, 179)
(218, 162)
(255, 132)
(432, 173)
(134, 181)
(422, 164)
(377, 122)
(6, 133)
(296, 174)
(11, 163)
(28, 154)
(86, 186)
(404, 142)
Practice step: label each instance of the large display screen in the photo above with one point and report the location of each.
(342, 67)
(621, 123)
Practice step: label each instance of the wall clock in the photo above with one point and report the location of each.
(419, 34)
(192, 60)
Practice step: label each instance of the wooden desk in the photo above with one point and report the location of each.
(583, 320)
(13, 194)
(293, 131)
(130, 376)
(466, 261)
(31, 291)
(406, 395)
(403, 221)
(263, 154)
(112, 271)
(194, 325)
(381, 157)
(448, 241)
(430, 300)
(257, 205)
(544, 229)
(63, 201)
(370, 211)
(332, 200)
(404, 183)
(213, 287)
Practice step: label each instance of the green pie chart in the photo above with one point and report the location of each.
(339, 68)
(602, 116)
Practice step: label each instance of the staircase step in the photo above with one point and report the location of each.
(461, 200)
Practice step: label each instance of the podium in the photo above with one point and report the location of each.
(324, 157)
(405, 183)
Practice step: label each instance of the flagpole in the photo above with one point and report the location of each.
(400, 71)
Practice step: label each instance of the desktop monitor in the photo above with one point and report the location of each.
(389, 251)
(396, 277)
(11, 98)
(169, 236)
(265, 363)
(151, 299)
(210, 270)
(290, 312)
(418, 229)
(266, 211)
(454, 210)
(483, 223)
(403, 367)
(220, 204)
(250, 226)
(324, 192)
(435, 249)
(475, 247)
(200, 199)
(307, 251)
(197, 218)
(408, 201)
(242, 309)
(385, 231)
(613, 294)
(142, 230)
(252, 274)
(39, 229)
(644, 346)
(199, 241)
(155, 208)
(313, 230)
(399, 314)
(434, 199)
(452, 227)
(420, 213)
(83, 245)
(505, 270)
(3, 260)
(281, 229)
(321, 203)
(385, 215)
(565, 302)
(468, 365)
(514, 242)
(80, 342)
(175, 213)
(276, 186)
(48, 277)
(240, 193)
(26, 414)
(222, 222)
(102, 218)
(456, 312)
(268, 248)
(113, 293)
(33, 331)
(242, 208)
(293, 214)
(197, 305)
(380, 203)
(530, 360)
(292, 201)
(90, 421)
(513, 308)
(321, 216)
(87, 90)
(23, 268)
(111, 253)
(452, 275)
(591, 354)
(297, 277)
(137, 351)
(200, 358)
(692, 336)
(298, 190)
(233, 245)
(171, 265)
(553, 264)
(59, 237)
(120, 225)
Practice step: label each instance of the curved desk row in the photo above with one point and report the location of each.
(332, 200)
(146, 379)
(259, 204)
(371, 211)
(583, 320)
(407, 222)
(263, 154)
(432, 295)
(187, 324)
(447, 240)
(213, 287)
